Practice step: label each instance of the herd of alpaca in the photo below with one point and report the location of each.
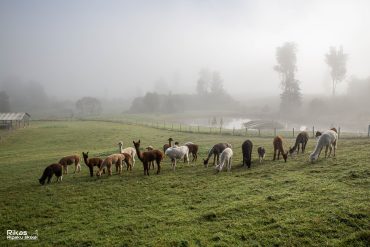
(222, 155)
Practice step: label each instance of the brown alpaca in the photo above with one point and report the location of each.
(128, 160)
(278, 146)
(165, 146)
(113, 159)
(69, 160)
(193, 150)
(91, 162)
(147, 157)
(150, 148)
(301, 140)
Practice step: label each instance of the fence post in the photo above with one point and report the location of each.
(313, 131)
(368, 131)
(210, 129)
(164, 124)
(293, 132)
(338, 132)
(274, 131)
(220, 130)
(259, 132)
(172, 126)
(198, 128)
(246, 131)
(180, 127)
(233, 130)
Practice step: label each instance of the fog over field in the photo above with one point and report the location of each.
(124, 49)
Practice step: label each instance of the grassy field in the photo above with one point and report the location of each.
(272, 204)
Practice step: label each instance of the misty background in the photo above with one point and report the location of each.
(67, 58)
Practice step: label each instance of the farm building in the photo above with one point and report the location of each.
(11, 120)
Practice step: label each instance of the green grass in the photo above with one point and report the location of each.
(272, 204)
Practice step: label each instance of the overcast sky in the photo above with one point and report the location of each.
(116, 48)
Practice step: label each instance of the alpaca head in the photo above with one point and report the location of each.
(313, 158)
(85, 155)
(149, 148)
(291, 151)
(261, 151)
(170, 139)
(285, 156)
(136, 144)
(42, 181)
(318, 133)
(205, 162)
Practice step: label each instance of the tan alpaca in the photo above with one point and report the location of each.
(113, 159)
(69, 160)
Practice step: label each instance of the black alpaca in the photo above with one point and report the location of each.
(247, 153)
(50, 171)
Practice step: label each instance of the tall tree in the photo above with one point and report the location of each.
(337, 60)
(286, 67)
(203, 82)
(4, 102)
(217, 87)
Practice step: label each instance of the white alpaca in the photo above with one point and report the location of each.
(175, 153)
(130, 150)
(226, 156)
(329, 140)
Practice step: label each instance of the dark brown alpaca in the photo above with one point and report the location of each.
(165, 146)
(216, 150)
(91, 162)
(149, 156)
(69, 160)
(247, 147)
(193, 150)
(150, 148)
(300, 141)
(50, 171)
(278, 147)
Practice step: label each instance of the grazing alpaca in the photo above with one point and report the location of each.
(329, 140)
(175, 153)
(261, 153)
(147, 157)
(226, 156)
(278, 146)
(247, 153)
(165, 146)
(50, 171)
(318, 133)
(301, 140)
(91, 162)
(113, 159)
(69, 160)
(193, 150)
(216, 150)
(150, 148)
(129, 150)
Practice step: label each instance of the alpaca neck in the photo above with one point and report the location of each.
(139, 154)
(120, 148)
(210, 153)
(86, 160)
(169, 142)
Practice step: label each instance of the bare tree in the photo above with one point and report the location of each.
(337, 60)
(203, 82)
(287, 59)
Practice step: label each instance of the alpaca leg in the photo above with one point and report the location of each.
(214, 159)
(274, 155)
(158, 165)
(326, 150)
(279, 155)
(229, 165)
(49, 179)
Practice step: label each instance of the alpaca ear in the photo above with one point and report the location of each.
(139, 141)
